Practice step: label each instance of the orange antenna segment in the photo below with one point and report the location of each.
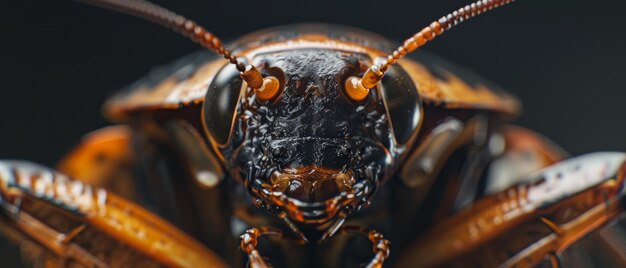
(189, 28)
(359, 87)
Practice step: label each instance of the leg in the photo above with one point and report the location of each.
(524, 151)
(87, 225)
(471, 170)
(531, 221)
(249, 241)
(381, 246)
(174, 175)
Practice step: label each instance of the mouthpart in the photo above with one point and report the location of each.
(312, 184)
(314, 195)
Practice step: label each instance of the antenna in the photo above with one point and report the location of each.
(358, 87)
(263, 87)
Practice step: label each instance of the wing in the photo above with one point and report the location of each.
(527, 223)
(77, 223)
(445, 84)
(183, 82)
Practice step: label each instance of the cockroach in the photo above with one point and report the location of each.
(310, 146)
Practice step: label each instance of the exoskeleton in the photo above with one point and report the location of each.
(310, 146)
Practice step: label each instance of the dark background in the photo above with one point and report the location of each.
(59, 60)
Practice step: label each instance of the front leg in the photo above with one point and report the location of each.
(380, 245)
(78, 223)
(531, 222)
(249, 241)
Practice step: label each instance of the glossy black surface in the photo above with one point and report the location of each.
(220, 103)
(402, 102)
(311, 125)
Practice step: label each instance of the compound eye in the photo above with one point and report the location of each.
(402, 103)
(220, 103)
